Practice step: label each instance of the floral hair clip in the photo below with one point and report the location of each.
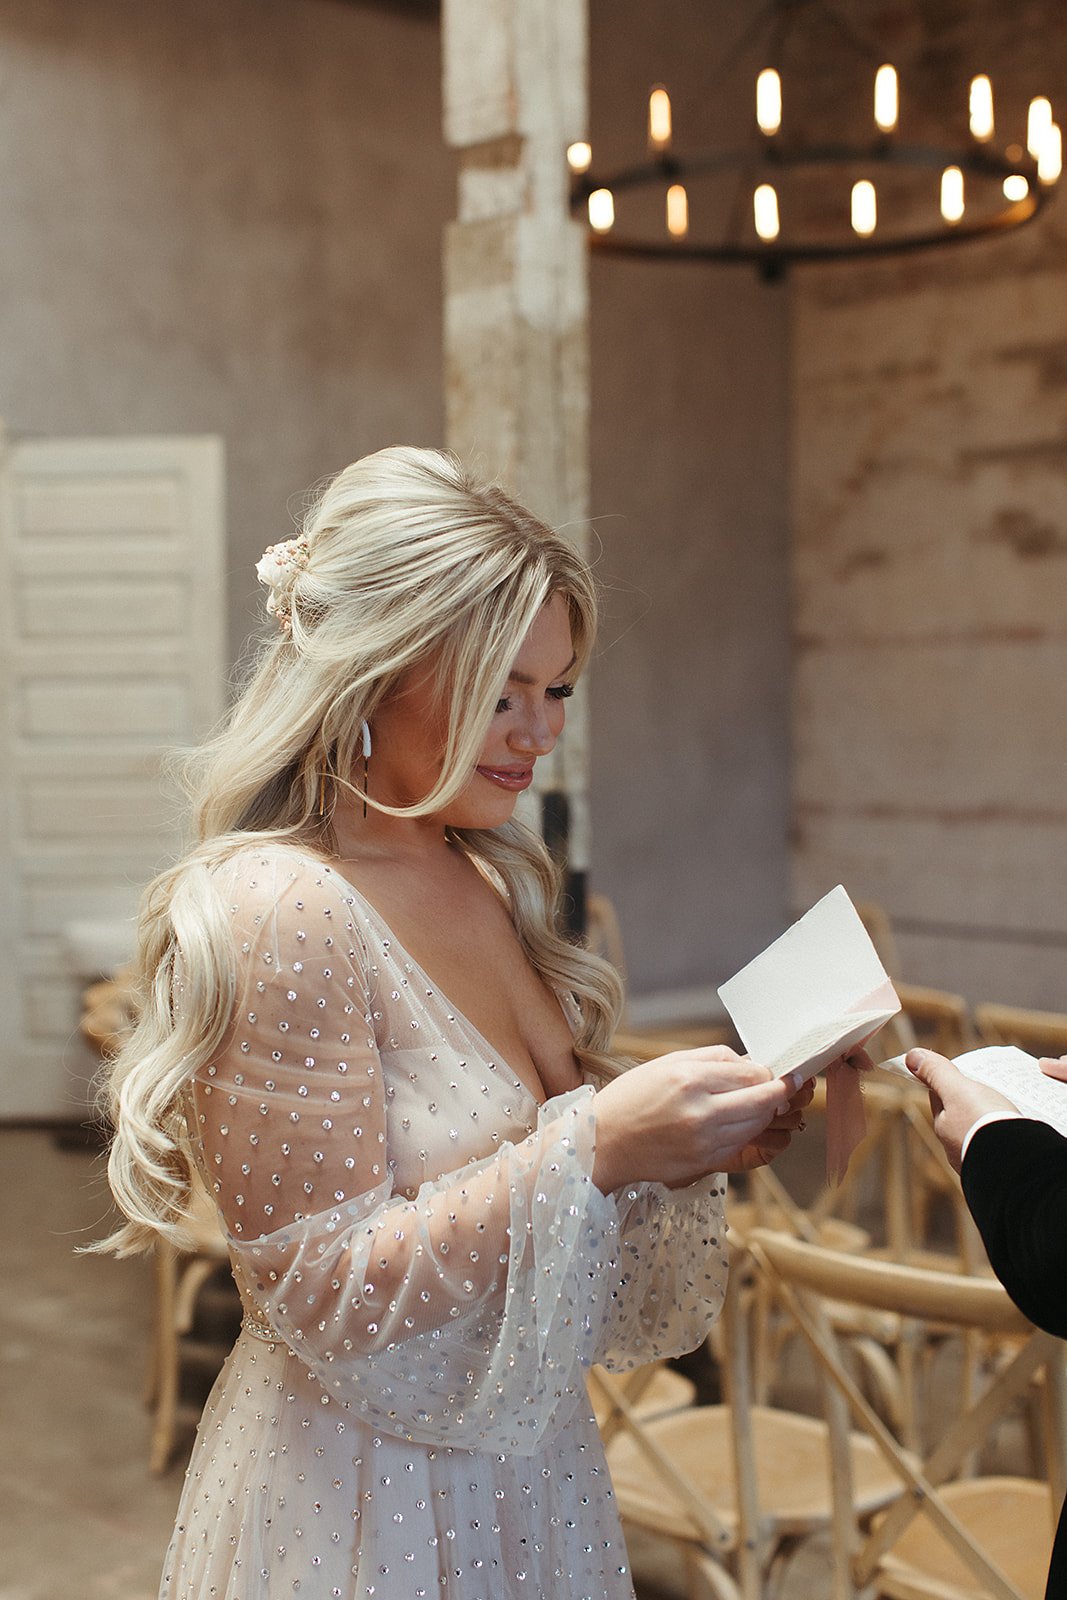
(278, 568)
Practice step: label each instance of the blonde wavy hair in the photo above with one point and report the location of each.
(407, 559)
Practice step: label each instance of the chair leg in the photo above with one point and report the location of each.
(189, 1285)
(706, 1577)
(164, 1359)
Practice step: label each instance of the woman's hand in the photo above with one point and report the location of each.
(1054, 1067)
(955, 1100)
(681, 1116)
(761, 1151)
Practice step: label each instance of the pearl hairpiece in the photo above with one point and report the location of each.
(279, 567)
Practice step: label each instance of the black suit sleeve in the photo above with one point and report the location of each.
(1015, 1183)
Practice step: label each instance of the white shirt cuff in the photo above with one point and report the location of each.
(989, 1116)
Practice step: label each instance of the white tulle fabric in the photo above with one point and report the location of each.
(427, 1270)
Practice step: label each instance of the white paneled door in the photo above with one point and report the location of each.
(111, 645)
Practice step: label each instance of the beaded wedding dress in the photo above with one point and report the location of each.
(426, 1269)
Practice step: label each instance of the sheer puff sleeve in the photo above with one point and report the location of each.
(464, 1313)
(671, 1271)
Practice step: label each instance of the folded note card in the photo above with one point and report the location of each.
(815, 993)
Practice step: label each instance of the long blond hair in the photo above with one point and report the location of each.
(405, 557)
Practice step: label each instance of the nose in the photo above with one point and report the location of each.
(534, 735)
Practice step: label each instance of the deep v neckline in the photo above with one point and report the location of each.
(491, 1052)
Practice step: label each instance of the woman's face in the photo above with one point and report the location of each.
(409, 730)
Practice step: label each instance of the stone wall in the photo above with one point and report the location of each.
(929, 503)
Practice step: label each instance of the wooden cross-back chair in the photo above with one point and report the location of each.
(735, 1485)
(935, 1018)
(648, 1391)
(901, 1184)
(108, 1017)
(947, 1535)
(904, 1157)
(1042, 1033)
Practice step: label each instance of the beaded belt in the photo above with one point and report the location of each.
(260, 1330)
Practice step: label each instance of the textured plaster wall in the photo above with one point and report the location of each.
(930, 511)
(689, 459)
(223, 218)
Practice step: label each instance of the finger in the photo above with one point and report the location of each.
(753, 1105)
(930, 1069)
(773, 1140)
(859, 1059)
(803, 1096)
(1054, 1067)
(792, 1120)
(740, 1073)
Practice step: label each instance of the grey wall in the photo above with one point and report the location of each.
(223, 218)
(690, 692)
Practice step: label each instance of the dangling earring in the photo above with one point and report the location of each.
(366, 763)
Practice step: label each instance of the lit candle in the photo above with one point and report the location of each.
(886, 98)
(601, 210)
(769, 101)
(1038, 122)
(981, 108)
(765, 211)
(1050, 159)
(659, 120)
(864, 208)
(1015, 187)
(952, 194)
(677, 211)
(579, 156)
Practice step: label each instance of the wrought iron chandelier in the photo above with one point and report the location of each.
(787, 195)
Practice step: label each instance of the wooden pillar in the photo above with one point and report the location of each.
(516, 297)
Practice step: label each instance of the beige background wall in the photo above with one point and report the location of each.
(929, 411)
(227, 218)
(223, 216)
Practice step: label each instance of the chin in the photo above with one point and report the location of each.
(488, 811)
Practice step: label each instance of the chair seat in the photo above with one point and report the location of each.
(1010, 1521)
(669, 1390)
(792, 1471)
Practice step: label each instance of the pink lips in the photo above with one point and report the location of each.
(514, 778)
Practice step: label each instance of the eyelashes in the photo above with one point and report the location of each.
(559, 691)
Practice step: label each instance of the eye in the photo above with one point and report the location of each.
(561, 691)
(502, 705)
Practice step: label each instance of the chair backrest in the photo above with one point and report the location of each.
(1042, 1033)
(931, 1017)
(603, 934)
(810, 1280)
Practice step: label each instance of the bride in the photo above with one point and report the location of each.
(444, 1198)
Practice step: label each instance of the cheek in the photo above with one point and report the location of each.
(557, 716)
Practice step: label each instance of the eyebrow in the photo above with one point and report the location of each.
(521, 677)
